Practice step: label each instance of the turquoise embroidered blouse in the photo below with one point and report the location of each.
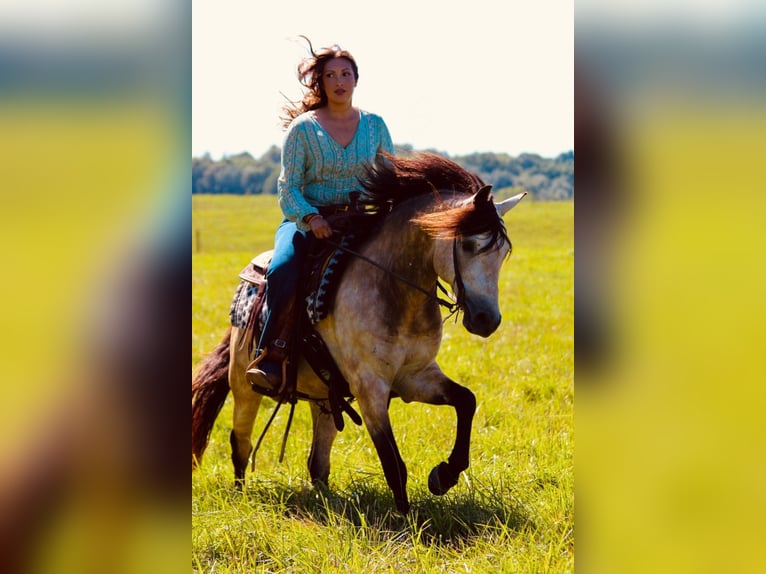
(317, 170)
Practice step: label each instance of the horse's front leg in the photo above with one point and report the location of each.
(446, 474)
(373, 401)
(433, 387)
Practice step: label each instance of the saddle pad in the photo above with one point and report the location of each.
(242, 304)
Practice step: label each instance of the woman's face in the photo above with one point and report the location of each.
(338, 81)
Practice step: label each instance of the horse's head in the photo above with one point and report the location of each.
(470, 240)
(473, 260)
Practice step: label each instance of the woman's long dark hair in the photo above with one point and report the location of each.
(310, 72)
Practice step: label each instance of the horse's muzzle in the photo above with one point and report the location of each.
(481, 322)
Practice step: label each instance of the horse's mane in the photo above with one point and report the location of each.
(392, 180)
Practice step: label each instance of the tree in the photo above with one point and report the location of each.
(545, 178)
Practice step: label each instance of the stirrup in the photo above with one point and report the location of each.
(254, 372)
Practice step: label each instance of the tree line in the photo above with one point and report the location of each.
(544, 178)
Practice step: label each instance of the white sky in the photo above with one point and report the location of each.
(457, 77)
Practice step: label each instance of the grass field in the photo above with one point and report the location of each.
(513, 509)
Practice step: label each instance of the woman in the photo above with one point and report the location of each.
(327, 143)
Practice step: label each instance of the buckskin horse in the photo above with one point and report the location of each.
(432, 220)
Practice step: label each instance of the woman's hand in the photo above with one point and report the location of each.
(319, 227)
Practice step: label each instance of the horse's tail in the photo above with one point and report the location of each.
(210, 387)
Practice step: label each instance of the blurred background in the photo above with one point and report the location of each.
(670, 108)
(94, 230)
(94, 308)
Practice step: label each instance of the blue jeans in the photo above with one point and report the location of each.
(290, 248)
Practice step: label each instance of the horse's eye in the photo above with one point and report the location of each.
(469, 246)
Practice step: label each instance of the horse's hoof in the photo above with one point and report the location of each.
(403, 507)
(321, 485)
(439, 481)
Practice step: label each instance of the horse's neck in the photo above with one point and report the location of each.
(405, 251)
(398, 288)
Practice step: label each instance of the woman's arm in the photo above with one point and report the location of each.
(386, 143)
(292, 178)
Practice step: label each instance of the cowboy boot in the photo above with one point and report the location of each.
(266, 374)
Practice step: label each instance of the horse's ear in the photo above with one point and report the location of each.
(505, 206)
(483, 195)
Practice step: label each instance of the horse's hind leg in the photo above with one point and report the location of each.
(245, 409)
(246, 403)
(434, 387)
(321, 445)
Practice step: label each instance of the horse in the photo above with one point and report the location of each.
(384, 329)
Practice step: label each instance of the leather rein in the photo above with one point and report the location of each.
(453, 304)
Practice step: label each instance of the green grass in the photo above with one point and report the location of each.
(513, 509)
